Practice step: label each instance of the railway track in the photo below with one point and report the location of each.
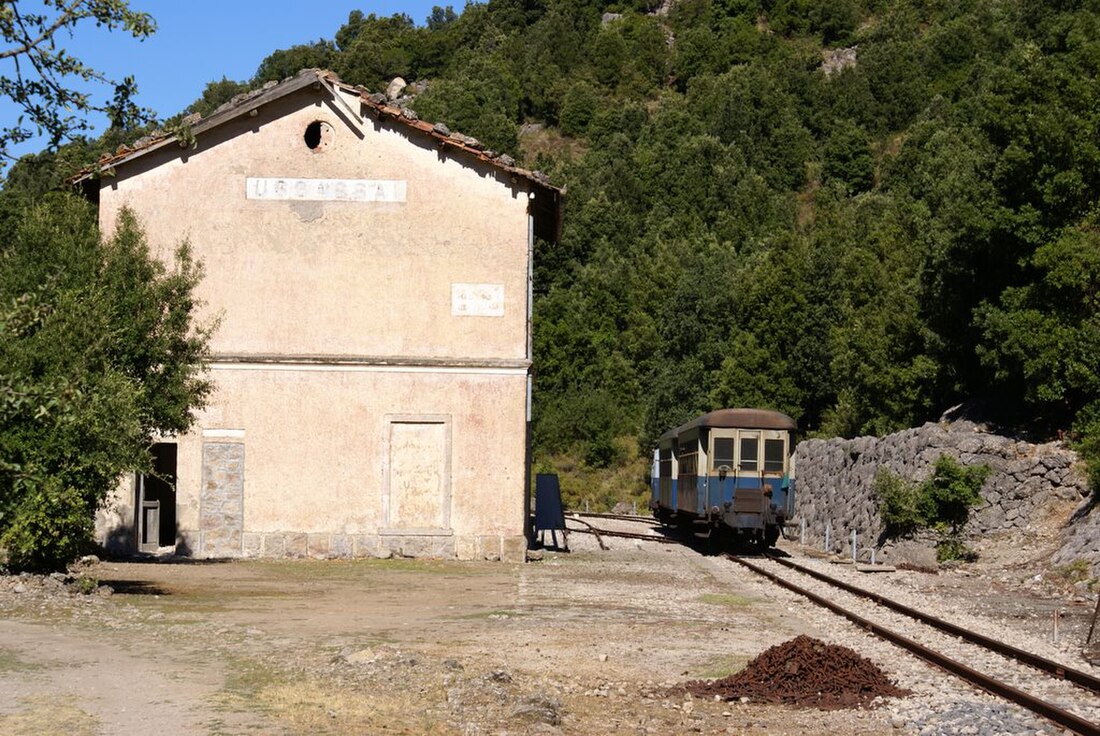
(620, 517)
(599, 533)
(629, 535)
(1069, 696)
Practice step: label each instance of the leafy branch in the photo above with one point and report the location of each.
(39, 76)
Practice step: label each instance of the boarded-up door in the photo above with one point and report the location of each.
(418, 494)
(221, 499)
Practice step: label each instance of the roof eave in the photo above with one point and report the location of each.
(328, 80)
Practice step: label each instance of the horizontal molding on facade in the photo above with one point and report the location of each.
(225, 434)
(369, 363)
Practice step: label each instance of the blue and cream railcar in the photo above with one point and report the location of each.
(727, 473)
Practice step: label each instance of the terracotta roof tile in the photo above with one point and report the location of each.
(374, 102)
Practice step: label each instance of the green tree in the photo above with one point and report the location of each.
(1042, 339)
(441, 17)
(848, 159)
(482, 99)
(287, 62)
(374, 49)
(99, 355)
(835, 20)
(578, 107)
(215, 95)
(755, 375)
(41, 78)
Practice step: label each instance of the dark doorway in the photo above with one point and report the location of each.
(155, 497)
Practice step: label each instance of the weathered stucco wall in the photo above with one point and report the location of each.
(835, 480)
(361, 406)
(333, 277)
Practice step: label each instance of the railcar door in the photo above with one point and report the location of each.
(749, 494)
(748, 458)
(723, 465)
(666, 466)
(775, 468)
(687, 486)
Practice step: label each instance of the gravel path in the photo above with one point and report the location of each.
(1027, 679)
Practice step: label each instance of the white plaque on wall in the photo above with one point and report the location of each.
(477, 300)
(326, 190)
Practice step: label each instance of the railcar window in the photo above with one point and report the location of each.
(773, 456)
(750, 446)
(665, 463)
(723, 452)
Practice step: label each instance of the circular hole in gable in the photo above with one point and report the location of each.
(318, 135)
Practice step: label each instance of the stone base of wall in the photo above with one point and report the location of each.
(382, 546)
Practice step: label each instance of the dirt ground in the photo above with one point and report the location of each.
(587, 642)
(578, 643)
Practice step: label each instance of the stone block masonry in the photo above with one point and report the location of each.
(346, 546)
(835, 480)
(221, 500)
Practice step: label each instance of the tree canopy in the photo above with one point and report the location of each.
(860, 213)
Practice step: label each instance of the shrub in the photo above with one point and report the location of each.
(1086, 433)
(99, 355)
(87, 585)
(51, 527)
(941, 503)
(899, 503)
(952, 548)
(948, 496)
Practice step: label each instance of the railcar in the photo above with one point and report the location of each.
(727, 474)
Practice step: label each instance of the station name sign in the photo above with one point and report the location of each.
(326, 190)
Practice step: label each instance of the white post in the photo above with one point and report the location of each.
(873, 555)
(853, 545)
(828, 533)
(586, 505)
(802, 533)
(635, 508)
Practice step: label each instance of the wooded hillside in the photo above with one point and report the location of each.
(858, 213)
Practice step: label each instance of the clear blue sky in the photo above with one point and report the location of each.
(202, 40)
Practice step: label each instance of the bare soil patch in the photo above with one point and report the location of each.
(583, 642)
(578, 643)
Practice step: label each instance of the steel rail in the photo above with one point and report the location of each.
(621, 517)
(1057, 715)
(1056, 669)
(625, 535)
(590, 530)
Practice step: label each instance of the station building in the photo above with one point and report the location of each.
(370, 275)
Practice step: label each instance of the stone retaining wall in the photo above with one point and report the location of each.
(835, 478)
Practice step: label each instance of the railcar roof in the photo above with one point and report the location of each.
(742, 418)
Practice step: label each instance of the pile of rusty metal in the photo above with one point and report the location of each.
(804, 672)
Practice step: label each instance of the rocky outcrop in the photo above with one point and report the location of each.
(837, 60)
(1082, 537)
(835, 482)
(396, 87)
